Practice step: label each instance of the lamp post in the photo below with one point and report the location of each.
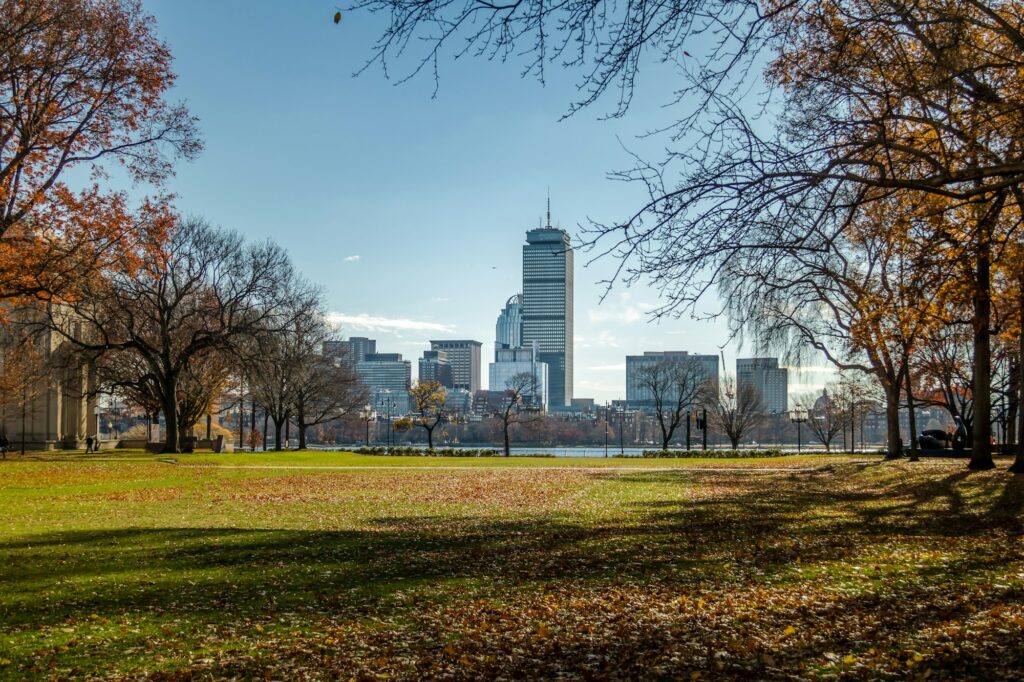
(388, 403)
(96, 414)
(607, 407)
(367, 414)
(798, 417)
(622, 418)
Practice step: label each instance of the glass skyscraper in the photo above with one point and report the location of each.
(548, 306)
(508, 331)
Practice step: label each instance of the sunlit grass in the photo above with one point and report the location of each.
(532, 568)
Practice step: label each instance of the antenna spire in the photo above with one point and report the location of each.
(549, 205)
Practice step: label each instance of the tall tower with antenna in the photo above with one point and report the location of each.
(548, 305)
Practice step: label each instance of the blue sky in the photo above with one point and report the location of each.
(411, 209)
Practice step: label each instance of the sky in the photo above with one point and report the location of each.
(410, 207)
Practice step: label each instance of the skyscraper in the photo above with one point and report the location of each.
(434, 367)
(464, 358)
(508, 331)
(388, 377)
(548, 305)
(770, 380)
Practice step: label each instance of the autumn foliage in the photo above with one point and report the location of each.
(82, 94)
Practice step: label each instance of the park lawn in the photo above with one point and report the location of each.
(527, 568)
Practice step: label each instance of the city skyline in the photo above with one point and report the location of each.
(413, 236)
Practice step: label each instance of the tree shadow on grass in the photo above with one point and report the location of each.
(764, 528)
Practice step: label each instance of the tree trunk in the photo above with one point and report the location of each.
(300, 425)
(171, 423)
(1013, 402)
(508, 450)
(430, 439)
(735, 442)
(277, 434)
(892, 421)
(912, 418)
(287, 431)
(266, 418)
(981, 444)
(1018, 461)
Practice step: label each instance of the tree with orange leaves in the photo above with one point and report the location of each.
(82, 86)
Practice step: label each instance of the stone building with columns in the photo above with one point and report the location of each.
(52, 402)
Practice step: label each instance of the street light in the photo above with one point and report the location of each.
(798, 416)
(96, 413)
(367, 414)
(622, 417)
(607, 408)
(388, 403)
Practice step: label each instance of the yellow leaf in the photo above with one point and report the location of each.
(848, 659)
(790, 630)
(700, 603)
(918, 658)
(259, 628)
(542, 630)
(450, 650)
(695, 675)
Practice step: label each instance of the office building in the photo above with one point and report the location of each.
(508, 332)
(640, 396)
(353, 350)
(458, 401)
(464, 359)
(434, 366)
(770, 380)
(509, 362)
(547, 306)
(387, 377)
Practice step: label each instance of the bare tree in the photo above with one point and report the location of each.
(325, 389)
(202, 291)
(517, 388)
(824, 419)
(867, 101)
(673, 386)
(735, 408)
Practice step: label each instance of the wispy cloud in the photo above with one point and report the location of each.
(604, 339)
(375, 323)
(620, 367)
(352, 259)
(623, 310)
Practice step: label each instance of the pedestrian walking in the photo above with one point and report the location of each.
(88, 444)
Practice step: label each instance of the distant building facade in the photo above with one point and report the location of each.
(353, 350)
(458, 401)
(433, 366)
(509, 362)
(508, 331)
(464, 358)
(639, 396)
(770, 380)
(55, 406)
(388, 377)
(547, 306)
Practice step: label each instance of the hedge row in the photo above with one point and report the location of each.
(712, 454)
(409, 451)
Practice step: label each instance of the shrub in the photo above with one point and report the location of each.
(409, 451)
(713, 454)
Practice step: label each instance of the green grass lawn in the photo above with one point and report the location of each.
(259, 565)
